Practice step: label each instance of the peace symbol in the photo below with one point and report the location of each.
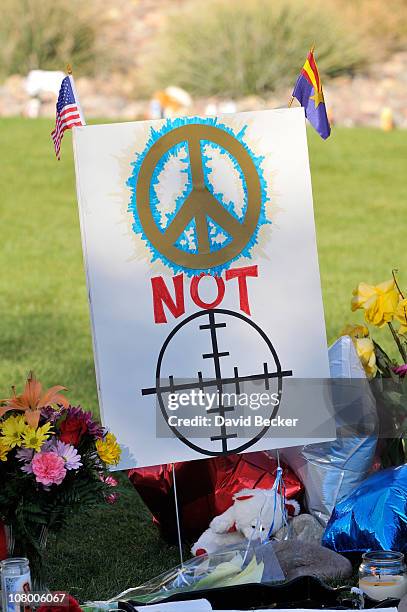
(200, 203)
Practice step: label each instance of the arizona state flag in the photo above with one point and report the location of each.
(308, 91)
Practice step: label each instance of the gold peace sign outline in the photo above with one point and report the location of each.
(200, 203)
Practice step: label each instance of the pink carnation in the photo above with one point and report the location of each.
(48, 468)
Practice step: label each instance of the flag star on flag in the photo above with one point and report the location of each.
(318, 97)
(68, 113)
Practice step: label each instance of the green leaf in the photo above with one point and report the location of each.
(384, 363)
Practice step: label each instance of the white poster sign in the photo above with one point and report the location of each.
(201, 260)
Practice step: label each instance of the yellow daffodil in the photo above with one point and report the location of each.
(364, 347)
(355, 331)
(35, 438)
(365, 350)
(108, 449)
(379, 302)
(401, 315)
(4, 449)
(13, 430)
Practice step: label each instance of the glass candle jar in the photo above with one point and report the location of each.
(15, 581)
(383, 574)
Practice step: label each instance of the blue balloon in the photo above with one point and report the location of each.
(373, 516)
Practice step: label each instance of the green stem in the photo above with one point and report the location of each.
(394, 272)
(399, 345)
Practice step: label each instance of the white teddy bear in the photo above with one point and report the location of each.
(253, 513)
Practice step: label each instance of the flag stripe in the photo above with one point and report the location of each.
(67, 119)
(307, 68)
(306, 75)
(57, 137)
(314, 69)
(68, 108)
(69, 123)
(72, 113)
(62, 128)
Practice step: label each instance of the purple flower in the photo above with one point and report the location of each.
(48, 445)
(401, 370)
(52, 414)
(94, 428)
(27, 468)
(69, 454)
(26, 455)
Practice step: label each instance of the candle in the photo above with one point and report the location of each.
(381, 587)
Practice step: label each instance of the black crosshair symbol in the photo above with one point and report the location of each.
(218, 381)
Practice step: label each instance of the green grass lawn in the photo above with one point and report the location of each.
(360, 195)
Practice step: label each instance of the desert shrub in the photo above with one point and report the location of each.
(48, 34)
(243, 47)
(382, 24)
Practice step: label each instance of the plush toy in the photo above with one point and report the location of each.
(212, 542)
(253, 513)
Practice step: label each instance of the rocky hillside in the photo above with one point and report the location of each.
(364, 99)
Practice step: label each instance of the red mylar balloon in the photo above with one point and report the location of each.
(205, 488)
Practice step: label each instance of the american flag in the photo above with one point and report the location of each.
(68, 113)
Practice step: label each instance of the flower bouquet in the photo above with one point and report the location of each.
(53, 460)
(385, 304)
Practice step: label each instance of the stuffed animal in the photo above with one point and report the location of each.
(211, 542)
(253, 513)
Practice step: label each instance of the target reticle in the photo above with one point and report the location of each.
(200, 206)
(269, 373)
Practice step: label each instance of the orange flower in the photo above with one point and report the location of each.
(32, 400)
